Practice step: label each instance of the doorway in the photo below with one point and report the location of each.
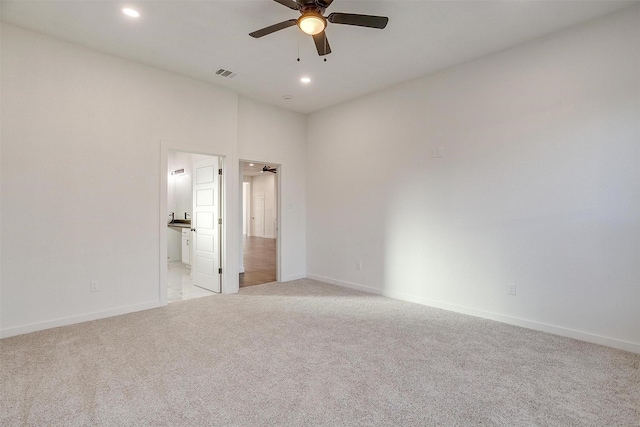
(194, 206)
(259, 223)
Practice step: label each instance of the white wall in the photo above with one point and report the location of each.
(539, 185)
(81, 176)
(278, 137)
(265, 184)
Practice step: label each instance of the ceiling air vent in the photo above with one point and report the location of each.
(226, 73)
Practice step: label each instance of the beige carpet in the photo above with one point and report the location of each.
(305, 353)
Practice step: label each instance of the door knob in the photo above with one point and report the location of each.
(194, 230)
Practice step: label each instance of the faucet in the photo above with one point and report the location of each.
(187, 215)
(173, 216)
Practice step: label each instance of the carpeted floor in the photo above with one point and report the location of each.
(305, 353)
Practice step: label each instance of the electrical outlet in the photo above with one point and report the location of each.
(358, 266)
(94, 286)
(511, 289)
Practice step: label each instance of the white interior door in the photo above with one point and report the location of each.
(205, 264)
(257, 215)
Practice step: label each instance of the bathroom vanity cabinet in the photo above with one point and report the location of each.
(186, 246)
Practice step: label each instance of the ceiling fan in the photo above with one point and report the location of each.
(313, 23)
(268, 169)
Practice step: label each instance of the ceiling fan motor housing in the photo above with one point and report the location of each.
(323, 3)
(317, 5)
(311, 8)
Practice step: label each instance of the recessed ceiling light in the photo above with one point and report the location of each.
(251, 164)
(305, 80)
(131, 12)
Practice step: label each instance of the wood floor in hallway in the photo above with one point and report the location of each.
(259, 261)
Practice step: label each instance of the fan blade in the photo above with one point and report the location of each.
(359, 20)
(322, 44)
(289, 3)
(273, 28)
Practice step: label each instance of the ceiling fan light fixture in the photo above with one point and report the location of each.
(312, 23)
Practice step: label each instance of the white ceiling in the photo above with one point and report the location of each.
(195, 38)
(256, 169)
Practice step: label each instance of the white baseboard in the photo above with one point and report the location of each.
(529, 324)
(65, 321)
(294, 277)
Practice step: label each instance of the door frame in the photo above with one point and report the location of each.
(229, 281)
(279, 215)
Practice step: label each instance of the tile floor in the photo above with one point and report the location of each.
(179, 284)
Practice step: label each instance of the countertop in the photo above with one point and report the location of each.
(179, 225)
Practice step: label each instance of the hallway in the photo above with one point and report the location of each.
(259, 261)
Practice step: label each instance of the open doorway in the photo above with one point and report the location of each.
(259, 223)
(193, 228)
